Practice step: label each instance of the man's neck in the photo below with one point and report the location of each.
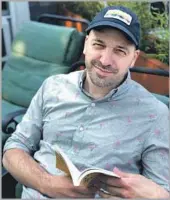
(98, 92)
(94, 91)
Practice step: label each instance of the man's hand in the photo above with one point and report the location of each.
(131, 186)
(62, 186)
(28, 172)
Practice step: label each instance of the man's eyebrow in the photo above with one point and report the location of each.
(98, 40)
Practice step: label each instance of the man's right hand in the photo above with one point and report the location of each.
(29, 173)
(62, 186)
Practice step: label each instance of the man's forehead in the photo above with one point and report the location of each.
(103, 35)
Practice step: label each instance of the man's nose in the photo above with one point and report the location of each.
(106, 57)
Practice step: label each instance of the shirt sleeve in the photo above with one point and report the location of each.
(29, 131)
(155, 158)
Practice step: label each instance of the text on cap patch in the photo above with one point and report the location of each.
(120, 15)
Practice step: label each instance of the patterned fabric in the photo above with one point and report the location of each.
(128, 129)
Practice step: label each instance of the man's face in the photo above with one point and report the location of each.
(108, 55)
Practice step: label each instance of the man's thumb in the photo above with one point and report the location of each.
(119, 173)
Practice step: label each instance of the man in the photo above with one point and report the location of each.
(99, 117)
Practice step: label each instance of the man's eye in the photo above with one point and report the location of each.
(97, 45)
(120, 51)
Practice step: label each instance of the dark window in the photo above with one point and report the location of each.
(157, 7)
(5, 8)
(3, 44)
(4, 5)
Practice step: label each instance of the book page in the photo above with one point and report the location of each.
(60, 164)
(89, 174)
(86, 180)
(65, 164)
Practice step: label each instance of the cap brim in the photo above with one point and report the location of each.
(113, 25)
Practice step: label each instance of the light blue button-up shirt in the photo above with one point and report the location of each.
(128, 129)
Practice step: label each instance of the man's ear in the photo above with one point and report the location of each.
(136, 55)
(85, 44)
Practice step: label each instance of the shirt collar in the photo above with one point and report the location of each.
(116, 91)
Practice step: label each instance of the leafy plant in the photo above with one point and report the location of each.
(161, 35)
(87, 9)
(154, 28)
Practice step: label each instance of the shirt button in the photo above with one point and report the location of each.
(93, 104)
(81, 128)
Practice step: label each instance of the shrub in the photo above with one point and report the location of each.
(154, 28)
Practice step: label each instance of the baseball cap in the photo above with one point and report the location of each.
(118, 17)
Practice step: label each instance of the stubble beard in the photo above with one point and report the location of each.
(100, 81)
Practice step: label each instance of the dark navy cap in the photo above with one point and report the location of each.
(118, 17)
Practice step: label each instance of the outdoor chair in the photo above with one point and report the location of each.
(38, 51)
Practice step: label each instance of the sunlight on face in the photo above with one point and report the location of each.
(108, 56)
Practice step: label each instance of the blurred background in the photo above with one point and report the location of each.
(153, 17)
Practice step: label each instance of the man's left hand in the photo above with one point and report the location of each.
(131, 186)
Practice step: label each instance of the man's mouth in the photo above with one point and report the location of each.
(104, 71)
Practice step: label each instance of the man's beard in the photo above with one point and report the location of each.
(103, 81)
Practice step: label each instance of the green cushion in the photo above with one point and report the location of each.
(19, 87)
(9, 107)
(38, 51)
(48, 43)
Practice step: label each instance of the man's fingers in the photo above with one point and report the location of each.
(95, 184)
(114, 182)
(120, 173)
(114, 191)
(84, 191)
(80, 195)
(104, 195)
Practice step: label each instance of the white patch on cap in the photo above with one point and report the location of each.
(119, 14)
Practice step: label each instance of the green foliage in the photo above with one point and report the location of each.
(153, 39)
(154, 29)
(161, 34)
(142, 11)
(87, 9)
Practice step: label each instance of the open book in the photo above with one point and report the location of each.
(79, 178)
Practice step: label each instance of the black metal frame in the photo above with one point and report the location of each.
(145, 70)
(56, 18)
(10, 118)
